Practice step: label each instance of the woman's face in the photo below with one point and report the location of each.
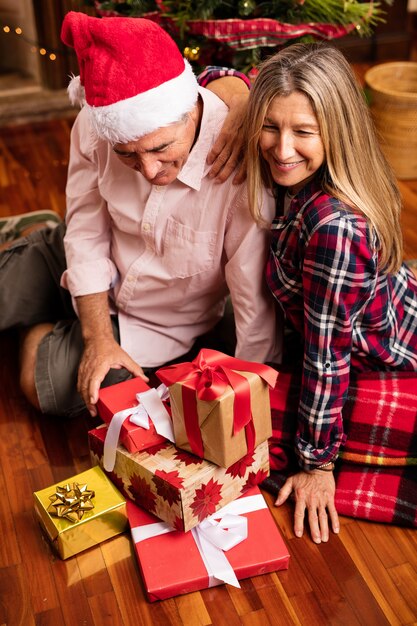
(290, 141)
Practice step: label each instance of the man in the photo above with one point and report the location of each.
(152, 245)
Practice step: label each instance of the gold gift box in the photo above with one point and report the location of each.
(107, 518)
(215, 419)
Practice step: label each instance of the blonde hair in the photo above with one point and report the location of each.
(355, 170)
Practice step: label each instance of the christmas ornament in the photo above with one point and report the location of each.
(246, 7)
(192, 53)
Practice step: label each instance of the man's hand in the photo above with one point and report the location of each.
(101, 350)
(99, 356)
(314, 491)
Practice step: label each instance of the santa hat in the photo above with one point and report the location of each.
(133, 79)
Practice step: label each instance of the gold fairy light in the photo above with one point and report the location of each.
(34, 46)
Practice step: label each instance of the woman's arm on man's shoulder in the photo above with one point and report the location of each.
(226, 155)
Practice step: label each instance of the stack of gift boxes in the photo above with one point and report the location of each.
(180, 464)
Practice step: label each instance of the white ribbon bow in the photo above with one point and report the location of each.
(150, 404)
(211, 537)
(213, 541)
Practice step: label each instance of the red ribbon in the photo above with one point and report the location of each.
(244, 33)
(207, 378)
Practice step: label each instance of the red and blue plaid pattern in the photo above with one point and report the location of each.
(323, 271)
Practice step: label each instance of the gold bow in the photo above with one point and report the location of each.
(71, 502)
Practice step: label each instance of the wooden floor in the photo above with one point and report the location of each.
(366, 575)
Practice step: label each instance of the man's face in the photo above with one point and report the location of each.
(160, 155)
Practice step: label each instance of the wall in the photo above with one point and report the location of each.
(15, 53)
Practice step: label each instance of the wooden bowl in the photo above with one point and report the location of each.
(392, 92)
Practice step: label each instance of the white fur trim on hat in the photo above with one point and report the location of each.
(76, 91)
(130, 119)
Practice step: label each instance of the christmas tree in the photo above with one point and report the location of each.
(239, 33)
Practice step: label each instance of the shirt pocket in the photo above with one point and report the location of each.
(188, 252)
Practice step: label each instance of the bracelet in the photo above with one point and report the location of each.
(326, 467)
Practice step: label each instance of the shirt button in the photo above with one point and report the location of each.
(146, 227)
(130, 278)
(327, 365)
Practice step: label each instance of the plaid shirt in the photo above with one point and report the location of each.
(324, 273)
(212, 72)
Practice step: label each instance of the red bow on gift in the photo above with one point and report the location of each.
(206, 378)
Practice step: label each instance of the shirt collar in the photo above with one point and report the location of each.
(196, 166)
(305, 194)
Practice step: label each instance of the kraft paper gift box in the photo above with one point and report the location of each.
(80, 512)
(120, 398)
(176, 486)
(173, 562)
(220, 405)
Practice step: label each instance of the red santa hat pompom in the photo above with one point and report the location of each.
(133, 79)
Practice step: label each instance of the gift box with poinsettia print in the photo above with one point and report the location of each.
(80, 512)
(220, 405)
(176, 486)
(123, 407)
(238, 541)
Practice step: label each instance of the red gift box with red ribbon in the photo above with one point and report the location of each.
(223, 549)
(220, 405)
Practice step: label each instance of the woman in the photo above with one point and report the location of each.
(335, 259)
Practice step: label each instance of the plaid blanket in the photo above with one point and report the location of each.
(376, 473)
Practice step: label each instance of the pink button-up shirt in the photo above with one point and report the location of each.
(168, 255)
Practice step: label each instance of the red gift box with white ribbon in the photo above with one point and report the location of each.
(135, 415)
(238, 541)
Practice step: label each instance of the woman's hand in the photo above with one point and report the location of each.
(314, 491)
(227, 152)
